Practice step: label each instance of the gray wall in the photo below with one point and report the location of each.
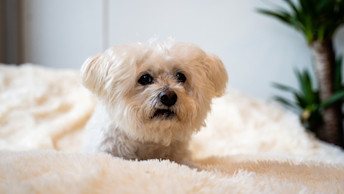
(11, 31)
(2, 31)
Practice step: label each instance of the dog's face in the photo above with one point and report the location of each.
(157, 92)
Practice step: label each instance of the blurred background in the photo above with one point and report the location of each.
(256, 50)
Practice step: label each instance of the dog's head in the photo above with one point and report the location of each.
(156, 91)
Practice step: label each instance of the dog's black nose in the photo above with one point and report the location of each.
(168, 97)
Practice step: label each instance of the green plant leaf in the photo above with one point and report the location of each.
(334, 98)
(307, 87)
(308, 27)
(307, 7)
(286, 102)
(300, 79)
(300, 101)
(312, 108)
(281, 15)
(316, 97)
(284, 87)
(338, 74)
(322, 5)
(321, 33)
(292, 5)
(316, 19)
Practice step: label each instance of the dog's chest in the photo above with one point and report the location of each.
(146, 151)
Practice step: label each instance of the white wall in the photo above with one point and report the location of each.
(61, 33)
(256, 50)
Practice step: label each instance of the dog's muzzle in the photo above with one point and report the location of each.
(168, 97)
(164, 114)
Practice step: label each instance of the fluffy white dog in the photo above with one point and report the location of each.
(152, 97)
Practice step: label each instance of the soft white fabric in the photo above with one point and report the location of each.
(248, 146)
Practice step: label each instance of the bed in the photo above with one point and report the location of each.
(248, 146)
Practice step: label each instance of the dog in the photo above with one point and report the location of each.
(152, 97)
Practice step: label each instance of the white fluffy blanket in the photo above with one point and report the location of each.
(248, 146)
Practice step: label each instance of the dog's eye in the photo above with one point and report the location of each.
(181, 77)
(145, 79)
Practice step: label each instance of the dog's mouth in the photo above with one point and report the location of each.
(163, 114)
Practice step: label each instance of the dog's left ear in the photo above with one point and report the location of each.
(217, 74)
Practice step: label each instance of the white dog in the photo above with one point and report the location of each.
(152, 97)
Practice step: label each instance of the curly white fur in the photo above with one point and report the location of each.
(124, 124)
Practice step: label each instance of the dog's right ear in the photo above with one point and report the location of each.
(93, 73)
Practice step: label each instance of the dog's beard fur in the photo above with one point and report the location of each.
(137, 109)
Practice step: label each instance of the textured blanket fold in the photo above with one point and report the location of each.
(248, 146)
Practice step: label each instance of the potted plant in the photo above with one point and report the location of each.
(318, 20)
